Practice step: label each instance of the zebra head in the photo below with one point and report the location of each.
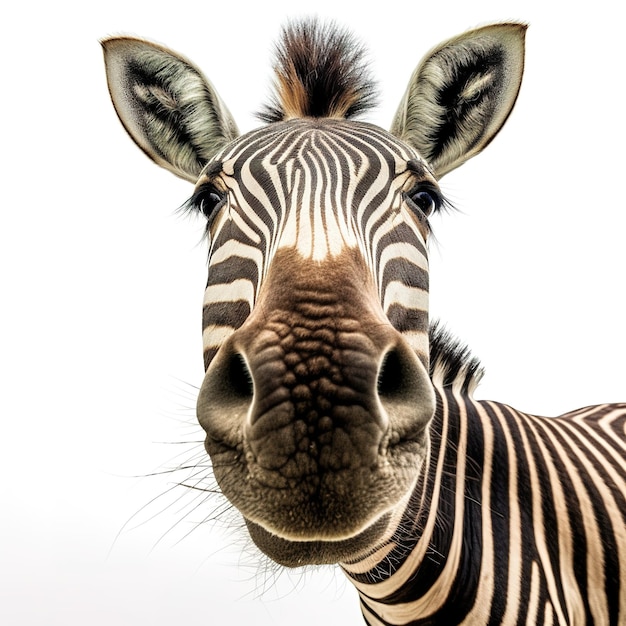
(317, 398)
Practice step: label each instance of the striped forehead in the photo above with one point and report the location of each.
(325, 189)
(353, 142)
(312, 184)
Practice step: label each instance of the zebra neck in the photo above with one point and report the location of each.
(425, 563)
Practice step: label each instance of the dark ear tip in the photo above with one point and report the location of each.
(112, 41)
(521, 26)
(517, 30)
(507, 29)
(107, 44)
(117, 46)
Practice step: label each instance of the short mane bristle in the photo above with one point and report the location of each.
(451, 362)
(320, 72)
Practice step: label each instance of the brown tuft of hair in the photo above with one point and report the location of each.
(320, 72)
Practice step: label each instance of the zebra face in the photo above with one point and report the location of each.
(316, 397)
(316, 400)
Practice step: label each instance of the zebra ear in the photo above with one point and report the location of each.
(461, 94)
(167, 106)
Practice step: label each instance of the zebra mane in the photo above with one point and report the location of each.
(451, 362)
(320, 71)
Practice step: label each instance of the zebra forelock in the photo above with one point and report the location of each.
(320, 72)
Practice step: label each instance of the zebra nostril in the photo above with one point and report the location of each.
(392, 376)
(226, 395)
(405, 392)
(238, 380)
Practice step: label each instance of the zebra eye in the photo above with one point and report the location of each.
(207, 199)
(425, 199)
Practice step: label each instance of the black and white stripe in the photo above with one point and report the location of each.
(443, 509)
(317, 188)
(518, 519)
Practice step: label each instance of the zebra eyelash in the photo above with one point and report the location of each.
(439, 203)
(206, 201)
(422, 194)
(425, 183)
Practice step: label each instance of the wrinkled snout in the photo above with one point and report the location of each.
(314, 408)
(310, 398)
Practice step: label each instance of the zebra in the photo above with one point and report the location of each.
(339, 420)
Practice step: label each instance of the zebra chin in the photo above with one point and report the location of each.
(344, 520)
(297, 553)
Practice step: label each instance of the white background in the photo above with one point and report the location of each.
(102, 284)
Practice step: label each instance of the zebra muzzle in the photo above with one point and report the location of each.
(309, 419)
